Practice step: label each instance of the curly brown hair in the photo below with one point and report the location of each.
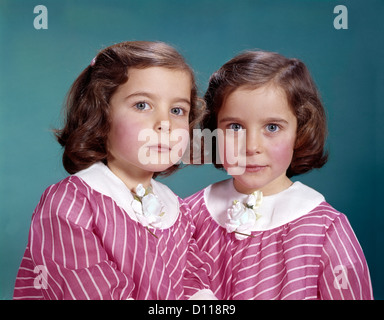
(254, 69)
(87, 123)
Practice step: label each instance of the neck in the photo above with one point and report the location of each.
(131, 176)
(269, 190)
(276, 186)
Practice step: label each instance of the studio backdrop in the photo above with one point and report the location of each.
(45, 45)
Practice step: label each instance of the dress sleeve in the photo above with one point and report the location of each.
(69, 254)
(345, 274)
(198, 272)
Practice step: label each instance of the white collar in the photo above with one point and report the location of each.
(100, 178)
(276, 210)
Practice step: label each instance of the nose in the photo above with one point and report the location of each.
(253, 142)
(163, 126)
(162, 123)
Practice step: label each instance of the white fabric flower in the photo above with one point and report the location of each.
(147, 207)
(152, 208)
(140, 190)
(251, 200)
(242, 217)
(237, 210)
(254, 200)
(136, 206)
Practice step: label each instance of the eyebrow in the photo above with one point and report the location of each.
(267, 120)
(276, 120)
(153, 97)
(229, 119)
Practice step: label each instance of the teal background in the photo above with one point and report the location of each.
(38, 66)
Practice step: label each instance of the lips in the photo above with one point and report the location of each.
(161, 148)
(254, 168)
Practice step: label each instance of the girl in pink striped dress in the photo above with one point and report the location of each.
(110, 231)
(272, 238)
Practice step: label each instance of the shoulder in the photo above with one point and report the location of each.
(327, 210)
(216, 189)
(197, 200)
(66, 200)
(210, 201)
(334, 220)
(195, 197)
(324, 220)
(322, 214)
(69, 187)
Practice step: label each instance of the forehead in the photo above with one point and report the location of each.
(154, 74)
(157, 80)
(265, 99)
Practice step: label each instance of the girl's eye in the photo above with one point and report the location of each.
(142, 106)
(272, 127)
(177, 111)
(235, 126)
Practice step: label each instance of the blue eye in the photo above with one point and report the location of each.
(235, 126)
(272, 127)
(142, 106)
(177, 111)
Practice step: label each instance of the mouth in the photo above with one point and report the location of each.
(160, 148)
(254, 168)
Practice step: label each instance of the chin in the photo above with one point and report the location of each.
(156, 167)
(247, 185)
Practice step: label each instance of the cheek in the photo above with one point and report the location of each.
(124, 135)
(282, 152)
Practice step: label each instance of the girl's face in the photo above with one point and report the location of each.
(149, 123)
(260, 125)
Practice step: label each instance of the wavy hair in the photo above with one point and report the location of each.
(254, 69)
(87, 121)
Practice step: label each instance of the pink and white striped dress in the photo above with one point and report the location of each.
(301, 247)
(85, 243)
